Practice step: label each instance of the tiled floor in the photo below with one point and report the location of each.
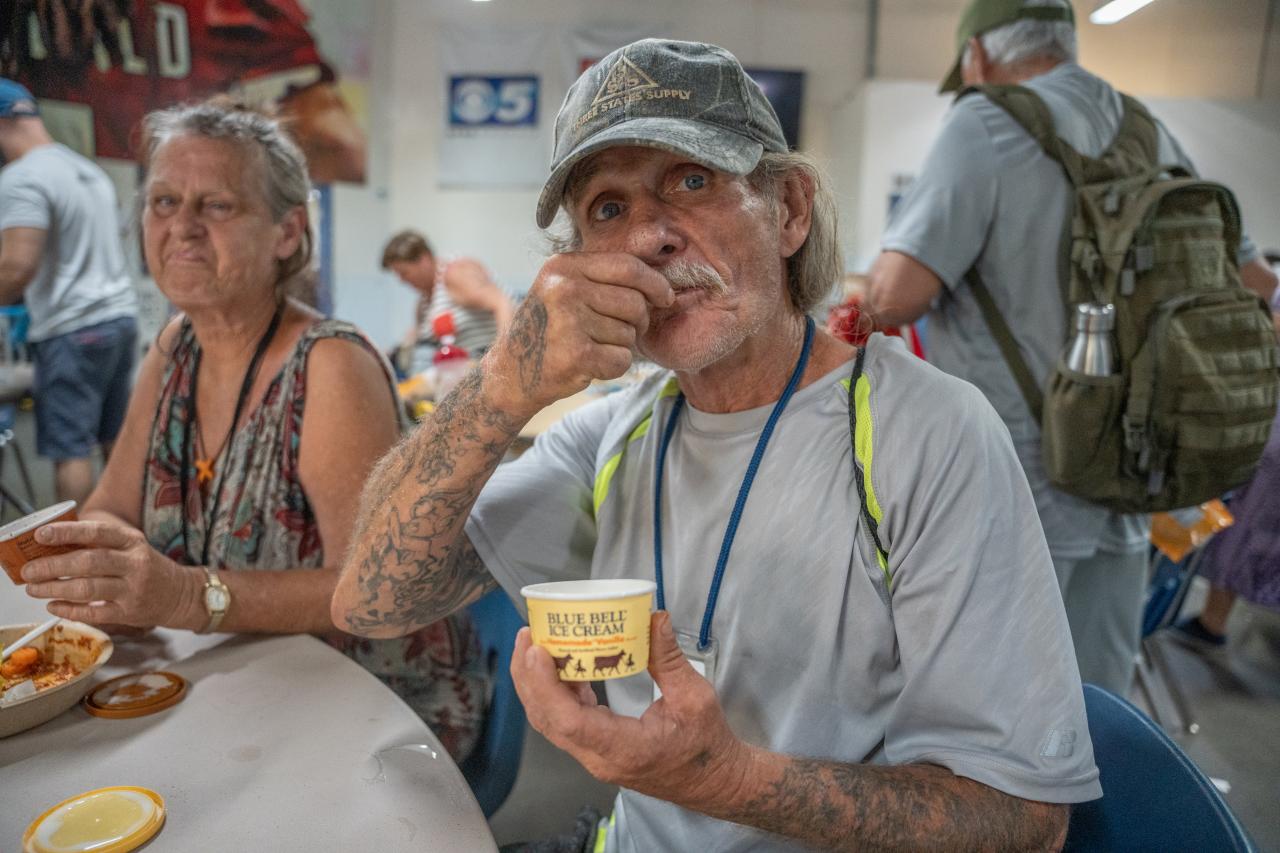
(1234, 694)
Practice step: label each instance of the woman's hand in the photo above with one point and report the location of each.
(115, 578)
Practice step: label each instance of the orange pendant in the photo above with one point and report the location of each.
(204, 471)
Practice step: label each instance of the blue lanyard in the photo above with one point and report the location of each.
(704, 635)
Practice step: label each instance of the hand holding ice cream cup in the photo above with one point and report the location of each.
(593, 629)
(18, 545)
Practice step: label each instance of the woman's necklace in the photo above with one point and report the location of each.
(205, 461)
(204, 467)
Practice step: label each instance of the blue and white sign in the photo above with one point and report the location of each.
(493, 101)
(494, 133)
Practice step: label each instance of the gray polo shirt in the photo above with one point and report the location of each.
(82, 279)
(988, 194)
(957, 653)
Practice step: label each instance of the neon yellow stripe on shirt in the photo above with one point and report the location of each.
(600, 489)
(864, 449)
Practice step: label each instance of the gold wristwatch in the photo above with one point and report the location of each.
(217, 600)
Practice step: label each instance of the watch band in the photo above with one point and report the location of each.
(215, 589)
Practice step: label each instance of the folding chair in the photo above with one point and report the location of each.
(492, 766)
(1166, 593)
(1153, 797)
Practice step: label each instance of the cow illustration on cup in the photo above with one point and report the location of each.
(604, 663)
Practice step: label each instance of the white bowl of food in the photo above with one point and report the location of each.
(68, 654)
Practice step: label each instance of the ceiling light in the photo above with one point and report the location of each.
(1116, 10)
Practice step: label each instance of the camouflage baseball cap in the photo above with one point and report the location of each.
(982, 16)
(685, 97)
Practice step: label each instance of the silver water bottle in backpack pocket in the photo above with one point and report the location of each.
(1091, 351)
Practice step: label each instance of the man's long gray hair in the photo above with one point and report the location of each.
(1020, 41)
(814, 269)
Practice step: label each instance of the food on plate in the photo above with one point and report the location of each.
(20, 663)
(42, 669)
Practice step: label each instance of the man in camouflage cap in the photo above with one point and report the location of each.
(832, 673)
(988, 202)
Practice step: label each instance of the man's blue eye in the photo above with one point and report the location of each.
(608, 210)
(695, 181)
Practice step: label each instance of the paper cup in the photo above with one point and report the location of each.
(18, 544)
(594, 629)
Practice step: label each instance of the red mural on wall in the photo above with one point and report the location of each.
(123, 58)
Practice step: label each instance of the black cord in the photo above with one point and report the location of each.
(246, 385)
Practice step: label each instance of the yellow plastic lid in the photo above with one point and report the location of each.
(108, 820)
(135, 695)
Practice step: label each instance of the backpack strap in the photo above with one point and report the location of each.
(1031, 113)
(1029, 110)
(1008, 345)
(861, 459)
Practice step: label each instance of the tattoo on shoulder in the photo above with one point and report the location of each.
(529, 335)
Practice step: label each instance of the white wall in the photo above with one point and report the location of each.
(895, 121)
(1174, 48)
(362, 293)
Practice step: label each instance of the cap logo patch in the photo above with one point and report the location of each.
(623, 77)
(626, 83)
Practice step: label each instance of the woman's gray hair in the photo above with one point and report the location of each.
(286, 185)
(1020, 41)
(816, 266)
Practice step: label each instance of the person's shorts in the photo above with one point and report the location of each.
(82, 383)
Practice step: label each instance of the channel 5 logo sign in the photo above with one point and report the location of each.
(476, 101)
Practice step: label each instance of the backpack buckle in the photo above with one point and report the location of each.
(1135, 438)
(1155, 482)
(1089, 260)
(1111, 202)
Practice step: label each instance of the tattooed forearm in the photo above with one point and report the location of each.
(836, 806)
(529, 336)
(410, 562)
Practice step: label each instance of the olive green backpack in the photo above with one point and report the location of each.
(1188, 411)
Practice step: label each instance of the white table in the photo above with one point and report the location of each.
(281, 744)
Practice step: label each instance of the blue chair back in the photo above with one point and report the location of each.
(1153, 797)
(492, 766)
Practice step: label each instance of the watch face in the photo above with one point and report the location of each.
(216, 599)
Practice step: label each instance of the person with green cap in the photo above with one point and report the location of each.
(824, 672)
(989, 200)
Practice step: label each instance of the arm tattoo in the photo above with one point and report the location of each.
(837, 806)
(529, 334)
(414, 564)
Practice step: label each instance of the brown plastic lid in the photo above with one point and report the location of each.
(135, 695)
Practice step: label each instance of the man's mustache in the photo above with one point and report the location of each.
(685, 274)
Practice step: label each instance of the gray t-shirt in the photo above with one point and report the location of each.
(475, 329)
(964, 659)
(82, 279)
(988, 193)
